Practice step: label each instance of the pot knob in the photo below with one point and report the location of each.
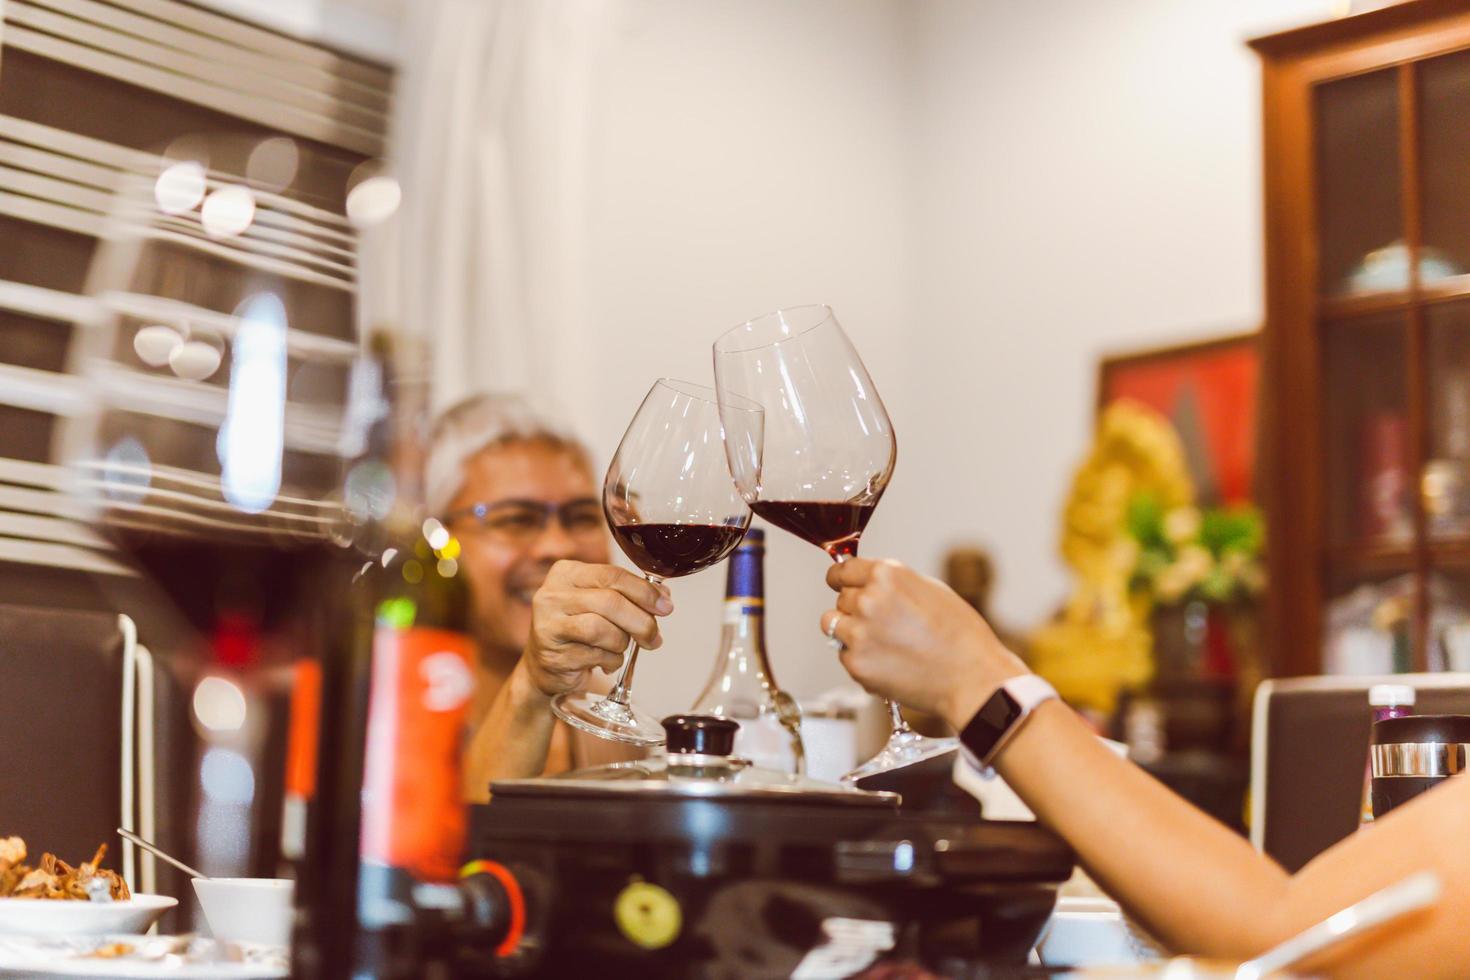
(700, 735)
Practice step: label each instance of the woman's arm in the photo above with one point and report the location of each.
(1195, 884)
(1203, 889)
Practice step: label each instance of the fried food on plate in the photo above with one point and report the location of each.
(53, 878)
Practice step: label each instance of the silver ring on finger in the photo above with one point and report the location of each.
(837, 644)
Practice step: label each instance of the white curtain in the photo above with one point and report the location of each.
(490, 137)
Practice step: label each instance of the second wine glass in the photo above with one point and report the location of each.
(825, 456)
(674, 510)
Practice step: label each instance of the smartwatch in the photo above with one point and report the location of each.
(1000, 717)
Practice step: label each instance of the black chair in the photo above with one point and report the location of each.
(1309, 746)
(75, 691)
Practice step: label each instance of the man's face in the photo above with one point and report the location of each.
(509, 546)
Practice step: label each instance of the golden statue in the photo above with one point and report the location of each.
(1100, 645)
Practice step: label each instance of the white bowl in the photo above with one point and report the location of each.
(247, 910)
(42, 917)
(1088, 932)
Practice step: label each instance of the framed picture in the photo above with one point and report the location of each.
(1209, 390)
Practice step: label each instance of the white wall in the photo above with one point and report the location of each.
(1088, 181)
(990, 194)
(748, 154)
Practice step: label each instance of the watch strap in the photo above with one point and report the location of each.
(1001, 716)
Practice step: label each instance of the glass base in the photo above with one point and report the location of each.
(601, 716)
(902, 749)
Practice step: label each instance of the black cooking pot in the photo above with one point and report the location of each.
(699, 864)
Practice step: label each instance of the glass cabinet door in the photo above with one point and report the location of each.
(1360, 207)
(1368, 623)
(1444, 167)
(1367, 435)
(1445, 481)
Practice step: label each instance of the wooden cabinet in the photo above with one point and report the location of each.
(1366, 373)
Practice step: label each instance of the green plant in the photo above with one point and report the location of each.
(1181, 554)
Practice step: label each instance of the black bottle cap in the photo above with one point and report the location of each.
(1441, 729)
(700, 734)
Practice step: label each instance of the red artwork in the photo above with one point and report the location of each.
(1209, 392)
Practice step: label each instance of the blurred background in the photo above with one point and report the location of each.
(1044, 225)
(991, 196)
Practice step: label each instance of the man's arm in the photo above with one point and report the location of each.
(513, 741)
(583, 617)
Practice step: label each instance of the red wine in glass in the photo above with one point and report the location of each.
(212, 580)
(674, 510)
(823, 455)
(832, 525)
(671, 550)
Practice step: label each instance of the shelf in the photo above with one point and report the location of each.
(1446, 290)
(1350, 563)
(1349, 306)
(1450, 554)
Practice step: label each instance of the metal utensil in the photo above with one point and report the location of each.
(1410, 895)
(157, 851)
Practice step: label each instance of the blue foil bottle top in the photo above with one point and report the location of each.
(745, 578)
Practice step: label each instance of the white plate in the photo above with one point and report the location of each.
(43, 917)
(66, 956)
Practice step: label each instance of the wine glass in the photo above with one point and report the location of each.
(674, 510)
(826, 456)
(222, 396)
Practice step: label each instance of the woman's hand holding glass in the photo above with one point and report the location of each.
(910, 638)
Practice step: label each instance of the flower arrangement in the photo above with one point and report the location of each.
(1099, 644)
(1182, 554)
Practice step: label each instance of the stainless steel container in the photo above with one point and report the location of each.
(1413, 754)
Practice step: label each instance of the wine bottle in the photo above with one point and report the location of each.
(742, 687)
(379, 891)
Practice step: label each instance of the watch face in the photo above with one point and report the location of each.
(993, 719)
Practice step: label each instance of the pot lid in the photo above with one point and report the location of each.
(698, 764)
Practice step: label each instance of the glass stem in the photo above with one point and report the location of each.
(623, 689)
(895, 717)
(841, 554)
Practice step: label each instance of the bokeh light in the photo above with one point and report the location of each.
(369, 490)
(373, 201)
(252, 438)
(227, 777)
(127, 471)
(154, 344)
(180, 187)
(195, 360)
(219, 704)
(228, 211)
(273, 163)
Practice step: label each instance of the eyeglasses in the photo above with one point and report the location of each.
(519, 522)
